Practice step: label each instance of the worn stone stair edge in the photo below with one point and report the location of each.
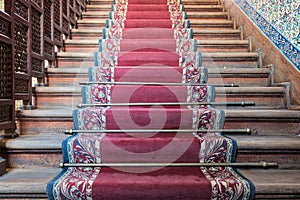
(245, 142)
(262, 114)
(19, 182)
(226, 90)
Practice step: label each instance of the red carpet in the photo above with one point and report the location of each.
(148, 41)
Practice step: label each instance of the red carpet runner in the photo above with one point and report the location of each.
(148, 41)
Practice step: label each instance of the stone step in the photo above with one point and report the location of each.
(185, 2)
(70, 59)
(66, 76)
(96, 23)
(199, 34)
(211, 23)
(30, 150)
(86, 34)
(189, 15)
(187, 8)
(214, 59)
(237, 76)
(264, 97)
(101, 7)
(260, 121)
(202, 45)
(215, 34)
(31, 183)
(200, 2)
(101, 2)
(203, 8)
(195, 23)
(240, 76)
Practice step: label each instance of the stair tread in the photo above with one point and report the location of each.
(204, 55)
(274, 181)
(230, 113)
(223, 42)
(209, 21)
(202, 6)
(199, 42)
(34, 180)
(255, 90)
(30, 142)
(81, 30)
(249, 142)
(263, 113)
(27, 181)
(206, 13)
(219, 31)
(75, 70)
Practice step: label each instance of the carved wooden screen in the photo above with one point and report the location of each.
(37, 39)
(48, 31)
(6, 74)
(22, 58)
(79, 7)
(65, 19)
(57, 23)
(72, 12)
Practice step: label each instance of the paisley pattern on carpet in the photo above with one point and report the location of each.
(150, 42)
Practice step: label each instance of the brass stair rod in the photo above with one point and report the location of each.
(156, 83)
(246, 130)
(242, 103)
(242, 164)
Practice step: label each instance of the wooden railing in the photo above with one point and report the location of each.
(30, 31)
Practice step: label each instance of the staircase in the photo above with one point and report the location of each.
(229, 58)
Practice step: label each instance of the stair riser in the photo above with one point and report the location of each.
(78, 48)
(184, 2)
(100, 2)
(239, 63)
(57, 101)
(239, 80)
(65, 62)
(261, 101)
(189, 2)
(66, 79)
(64, 100)
(258, 126)
(223, 48)
(216, 36)
(90, 25)
(207, 62)
(206, 48)
(73, 79)
(44, 125)
(77, 36)
(284, 160)
(211, 26)
(90, 9)
(106, 16)
(265, 126)
(212, 9)
(23, 158)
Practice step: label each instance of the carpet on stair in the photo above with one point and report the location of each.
(158, 56)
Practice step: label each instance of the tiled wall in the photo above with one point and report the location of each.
(279, 20)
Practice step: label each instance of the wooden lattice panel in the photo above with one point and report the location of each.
(5, 71)
(36, 31)
(47, 18)
(21, 9)
(20, 47)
